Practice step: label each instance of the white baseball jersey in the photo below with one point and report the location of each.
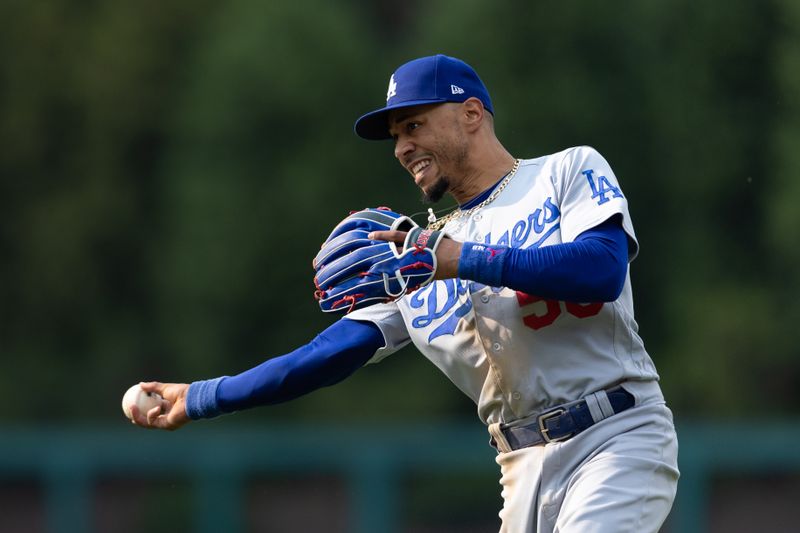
(515, 354)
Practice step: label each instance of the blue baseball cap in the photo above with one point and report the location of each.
(427, 80)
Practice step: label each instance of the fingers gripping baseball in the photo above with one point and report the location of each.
(170, 414)
(373, 256)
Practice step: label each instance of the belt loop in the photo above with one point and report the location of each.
(605, 405)
(499, 439)
(594, 408)
(599, 406)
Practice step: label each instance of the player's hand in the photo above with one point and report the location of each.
(171, 415)
(448, 252)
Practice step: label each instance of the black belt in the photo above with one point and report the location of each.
(564, 422)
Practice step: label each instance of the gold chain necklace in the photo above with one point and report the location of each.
(435, 224)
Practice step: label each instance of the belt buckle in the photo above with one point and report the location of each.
(543, 428)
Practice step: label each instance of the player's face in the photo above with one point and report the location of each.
(430, 144)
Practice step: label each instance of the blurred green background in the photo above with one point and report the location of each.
(169, 169)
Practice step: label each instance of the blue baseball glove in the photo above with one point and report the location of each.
(354, 271)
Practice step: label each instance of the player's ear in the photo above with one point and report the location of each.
(472, 113)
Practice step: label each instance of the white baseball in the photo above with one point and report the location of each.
(144, 401)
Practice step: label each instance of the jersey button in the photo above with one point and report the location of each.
(496, 346)
(477, 218)
(485, 298)
(516, 395)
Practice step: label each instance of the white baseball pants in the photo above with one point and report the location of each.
(618, 476)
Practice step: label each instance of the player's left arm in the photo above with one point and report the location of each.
(591, 268)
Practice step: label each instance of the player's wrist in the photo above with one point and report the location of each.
(482, 263)
(201, 399)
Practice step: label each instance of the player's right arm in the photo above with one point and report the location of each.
(333, 355)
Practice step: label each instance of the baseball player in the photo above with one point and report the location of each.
(521, 296)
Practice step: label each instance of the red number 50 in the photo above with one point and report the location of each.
(543, 317)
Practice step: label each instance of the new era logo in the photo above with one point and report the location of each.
(455, 89)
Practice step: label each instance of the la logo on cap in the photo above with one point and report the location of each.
(392, 88)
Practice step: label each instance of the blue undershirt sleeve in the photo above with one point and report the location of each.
(590, 269)
(333, 355)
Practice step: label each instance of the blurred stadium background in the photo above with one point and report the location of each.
(168, 170)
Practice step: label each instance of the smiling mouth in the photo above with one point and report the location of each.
(418, 168)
